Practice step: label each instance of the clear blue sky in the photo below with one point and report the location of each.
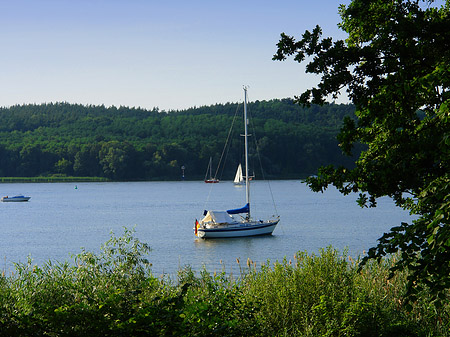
(170, 54)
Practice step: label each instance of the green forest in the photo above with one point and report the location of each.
(62, 139)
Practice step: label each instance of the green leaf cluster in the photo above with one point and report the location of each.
(395, 67)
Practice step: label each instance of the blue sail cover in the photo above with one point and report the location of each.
(244, 209)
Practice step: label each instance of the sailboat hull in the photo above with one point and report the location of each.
(237, 230)
(212, 181)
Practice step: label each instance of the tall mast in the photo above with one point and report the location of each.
(247, 185)
(210, 167)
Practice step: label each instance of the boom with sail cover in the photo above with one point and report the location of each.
(245, 209)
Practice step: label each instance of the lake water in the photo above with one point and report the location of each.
(59, 219)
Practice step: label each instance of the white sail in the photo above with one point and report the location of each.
(238, 178)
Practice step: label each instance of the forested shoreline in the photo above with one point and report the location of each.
(63, 139)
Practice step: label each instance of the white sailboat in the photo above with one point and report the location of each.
(235, 222)
(239, 178)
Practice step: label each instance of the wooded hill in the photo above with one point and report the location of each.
(138, 144)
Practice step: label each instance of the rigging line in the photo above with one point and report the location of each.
(260, 161)
(221, 157)
(209, 195)
(225, 159)
(226, 142)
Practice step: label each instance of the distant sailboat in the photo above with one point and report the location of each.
(235, 222)
(210, 179)
(239, 178)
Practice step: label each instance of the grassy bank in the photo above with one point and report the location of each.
(50, 179)
(114, 293)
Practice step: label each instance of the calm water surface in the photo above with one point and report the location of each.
(60, 219)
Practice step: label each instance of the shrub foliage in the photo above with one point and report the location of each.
(113, 293)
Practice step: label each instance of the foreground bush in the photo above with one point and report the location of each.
(114, 293)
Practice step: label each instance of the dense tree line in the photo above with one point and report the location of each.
(133, 143)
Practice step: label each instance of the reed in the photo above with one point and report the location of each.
(51, 179)
(113, 293)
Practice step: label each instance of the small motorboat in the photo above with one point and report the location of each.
(16, 198)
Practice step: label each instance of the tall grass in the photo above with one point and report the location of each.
(114, 293)
(325, 295)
